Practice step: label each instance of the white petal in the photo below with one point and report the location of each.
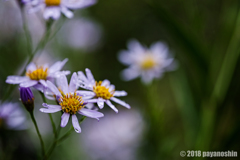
(66, 12)
(159, 48)
(126, 57)
(147, 77)
(82, 77)
(63, 83)
(57, 66)
(16, 79)
(76, 124)
(112, 106)
(129, 74)
(73, 83)
(65, 118)
(52, 12)
(136, 47)
(53, 88)
(120, 102)
(28, 83)
(100, 103)
(120, 93)
(91, 101)
(76, 4)
(57, 74)
(91, 113)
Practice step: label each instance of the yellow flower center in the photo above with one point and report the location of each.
(148, 63)
(71, 103)
(38, 74)
(52, 2)
(102, 91)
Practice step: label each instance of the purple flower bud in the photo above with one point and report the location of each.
(27, 98)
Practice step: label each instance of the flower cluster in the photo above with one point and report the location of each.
(70, 100)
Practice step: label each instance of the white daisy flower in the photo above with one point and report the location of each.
(101, 91)
(36, 76)
(12, 116)
(53, 8)
(69, 101)
(147, 63)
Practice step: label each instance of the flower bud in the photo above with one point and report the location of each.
(27, 98)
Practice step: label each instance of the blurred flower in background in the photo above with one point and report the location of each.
(147, 63)
(53, 8)
(12, 116)
(81, 33)
(117, 137)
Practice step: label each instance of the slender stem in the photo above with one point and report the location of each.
(27, 32)
(50, 116)
(39, 135)
(62, 138)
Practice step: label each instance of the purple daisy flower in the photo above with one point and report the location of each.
(36, 76)
(101, 91)
(70, 103)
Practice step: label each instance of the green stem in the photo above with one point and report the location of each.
(56, 142)
(50, 116)
(27, 32)
(39, 135)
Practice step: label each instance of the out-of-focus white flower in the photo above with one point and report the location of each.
(12, 116)
(101, 92)
(53, 8)
(36, 76)
(81, 34)
(69, 101)
(148, 63)
(118, 136)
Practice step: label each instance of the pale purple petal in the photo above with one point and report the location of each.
(112, 106)
(28, 83)
(57, 66)
(111, 88)
(51, 106)
(31, 67)
(57, 74)
(126, 57)
(85, 93)
(82, 77)
(50, 110)
(65, 118)
(66, 12)
(120, 93)
(16, 79)
(43, 82)
(91, 101)
(53, 88)
(105, 83)
(63, 83)
(73, 83)
(90, 76)
(120, 102)
(91, 113)
(76, 124)
(100, 103)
